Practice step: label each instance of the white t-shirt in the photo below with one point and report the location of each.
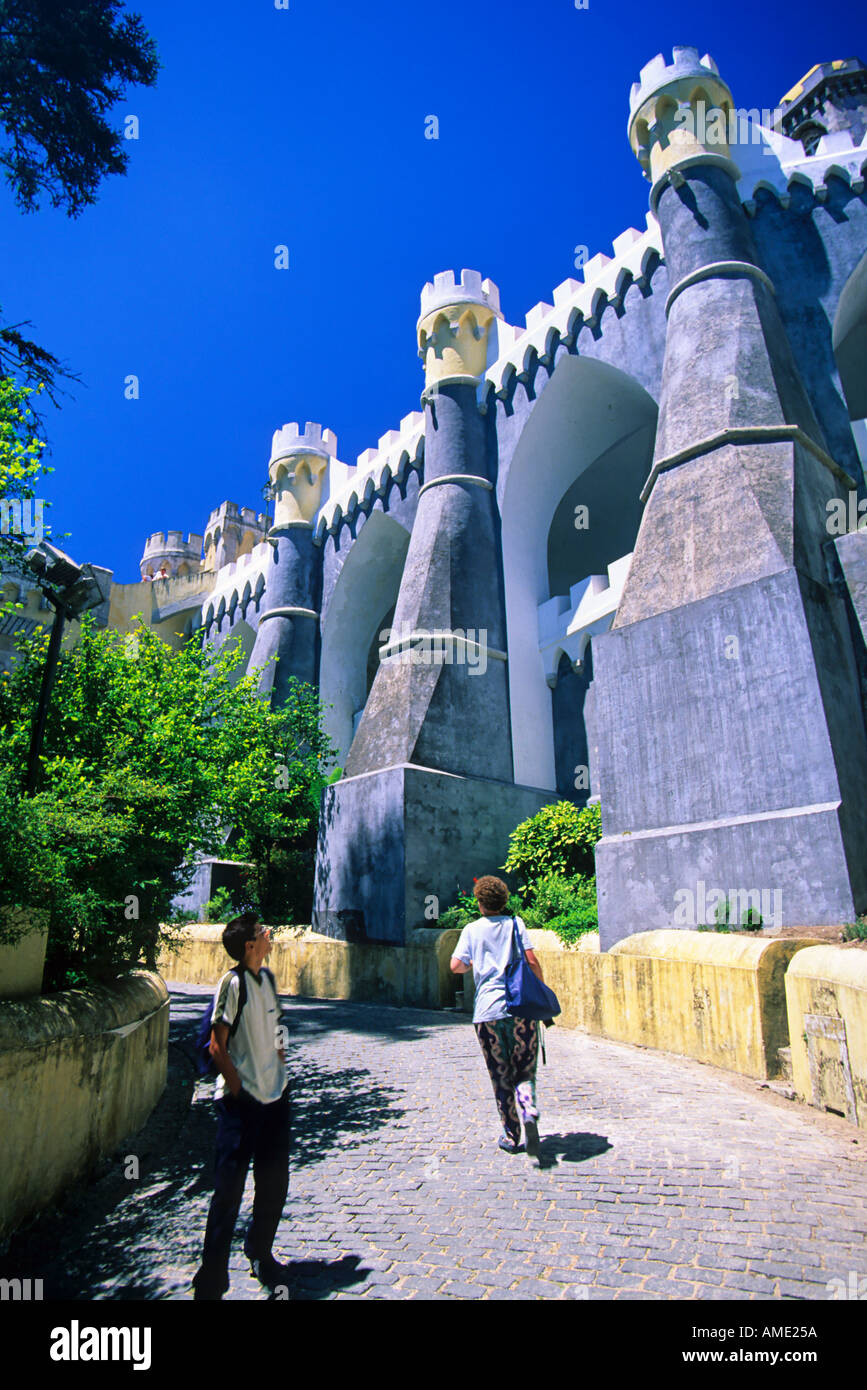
(253, 1049)
(486, 944)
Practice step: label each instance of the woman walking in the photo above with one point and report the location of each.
(509, 1045)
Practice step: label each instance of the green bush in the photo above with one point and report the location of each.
(149, 755)
(221, 907)
(566, 906)
(725, 920)
(559, 839)
(856, 931)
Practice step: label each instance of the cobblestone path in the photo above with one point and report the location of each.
(659, 1178)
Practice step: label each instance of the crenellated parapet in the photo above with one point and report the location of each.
(398, 453)
(231, 532)
(578, 305)
(297, 471)
(170, 552)
(678, 116)
(236, 586)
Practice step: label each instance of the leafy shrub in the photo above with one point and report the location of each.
(221, 907)
(856, 931)
(149, 755)
(559, 839)
(726, 921)
(566, 906)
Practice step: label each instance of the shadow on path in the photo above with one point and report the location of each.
(139, 1236)
(310, 1280)
(570, 1148)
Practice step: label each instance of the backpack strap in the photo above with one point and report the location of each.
(242, 999)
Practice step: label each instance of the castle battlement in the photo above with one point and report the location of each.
(241, 516)
(172, 539)
(168, 550)
(444, 289)
(312, 439)
(576, 302)
(374, 470)
(658, 73)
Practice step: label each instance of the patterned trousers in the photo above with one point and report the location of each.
(510, 1047)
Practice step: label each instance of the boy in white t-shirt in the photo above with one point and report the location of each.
(253, 1113)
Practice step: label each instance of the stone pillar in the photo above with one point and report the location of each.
(289, 622)
(731, 748)
(428, 801)
(440, 697)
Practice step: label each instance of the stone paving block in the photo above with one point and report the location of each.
(412, 1192)
(719, 1260)
(457, 1289)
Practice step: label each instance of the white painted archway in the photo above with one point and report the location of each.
(594, 422)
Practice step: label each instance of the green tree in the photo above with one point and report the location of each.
(149, 757)
(63, 66)
(20, 464)
(559, 839)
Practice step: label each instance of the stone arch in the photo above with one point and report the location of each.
(587, 441)
(850, 340)
(364, 593)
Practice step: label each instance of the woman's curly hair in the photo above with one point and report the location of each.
(491, 893)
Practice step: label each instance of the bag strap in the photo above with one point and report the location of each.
(515, 938)
(240, 971)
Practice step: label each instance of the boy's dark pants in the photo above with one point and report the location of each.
(246, 1130)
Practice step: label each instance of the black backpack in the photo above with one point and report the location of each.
(204, 1060)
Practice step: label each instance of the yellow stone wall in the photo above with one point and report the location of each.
(79, 1072)
(826, 988)
(314, 966)
(719, 998)
(149, 596)
(22, 964)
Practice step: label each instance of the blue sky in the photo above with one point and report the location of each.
(306, 127)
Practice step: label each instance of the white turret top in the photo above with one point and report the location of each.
(313, 439)
(470, 289)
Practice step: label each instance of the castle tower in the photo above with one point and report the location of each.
(171, 552)
(289, 626)
(730, 745)
(443, 703)
(428, 800)
(230, 533)
(831, 97)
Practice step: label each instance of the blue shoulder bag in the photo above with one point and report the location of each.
(526, 995)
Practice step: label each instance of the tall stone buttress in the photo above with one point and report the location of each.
(729, 737)
(450, 712)
(428, 799)
(289, 626)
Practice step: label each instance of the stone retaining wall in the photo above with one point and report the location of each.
(719, 998)
(314, 966)
(826, 988)
(79, 1071)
